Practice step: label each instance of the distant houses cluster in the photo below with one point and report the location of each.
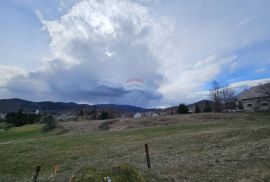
(254, 99)
(146, 114)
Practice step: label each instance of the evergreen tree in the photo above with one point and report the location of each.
(81, 113)
(19, 118)
(104, 115)
(183, 109)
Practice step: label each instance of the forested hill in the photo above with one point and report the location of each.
(13, 105)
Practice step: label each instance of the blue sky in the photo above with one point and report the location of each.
(87, 51)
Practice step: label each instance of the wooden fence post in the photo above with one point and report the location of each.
(36, 173)
(56, 168)
(147, 155)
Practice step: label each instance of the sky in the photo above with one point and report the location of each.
(148, 53)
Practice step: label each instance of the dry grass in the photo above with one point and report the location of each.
(201, 147)
(133, 123)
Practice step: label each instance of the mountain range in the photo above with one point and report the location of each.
(15, 104)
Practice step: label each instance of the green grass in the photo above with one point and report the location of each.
(27, 131)
(230, 150)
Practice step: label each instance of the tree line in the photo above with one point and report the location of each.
(94, 114)
(19, 118)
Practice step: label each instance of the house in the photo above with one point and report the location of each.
(37, 112)
(2, 115)
(202, 106)
(150, 114)
(254, 99)
(66, 116)
(155, 114)
(137, 115)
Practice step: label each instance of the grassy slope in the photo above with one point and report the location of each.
(228, 150)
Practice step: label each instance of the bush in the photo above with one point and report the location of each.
(4, 126)
(183, 109)
(50, 123)
(121, 173)
(104, 115)
(106, 124)
(240, 107)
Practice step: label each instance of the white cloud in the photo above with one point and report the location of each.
(95, 48)
(186, 83)
(261, 70)
(248, 83)
(7, 73)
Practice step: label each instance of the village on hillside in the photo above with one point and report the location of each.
(222, 99)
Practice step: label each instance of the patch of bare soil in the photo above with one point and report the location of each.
(80, 126)
(174, 119)
(128, 123)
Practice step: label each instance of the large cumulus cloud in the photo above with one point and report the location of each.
(95, 48)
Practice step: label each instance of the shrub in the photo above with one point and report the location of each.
(50, 123)
(121, 173)
(4, 126)
(240, 107)
(183, 109)
(106, 124)
(104, 115)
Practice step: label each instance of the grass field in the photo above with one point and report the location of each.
(201, 147)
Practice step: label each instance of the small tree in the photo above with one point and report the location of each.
(104, 115)
(227, 96)
(50, 123)
(94, 112)
(183, 109)
(216, 95)
(81, 113)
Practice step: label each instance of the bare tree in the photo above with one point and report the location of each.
(216, 95)
(227, 95)
(222, 96)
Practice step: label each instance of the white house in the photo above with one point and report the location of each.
(37, 112)
(255, 99)
(2, 115)
(137, 115)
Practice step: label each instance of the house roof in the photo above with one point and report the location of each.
(253, 92)
(202, 102)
